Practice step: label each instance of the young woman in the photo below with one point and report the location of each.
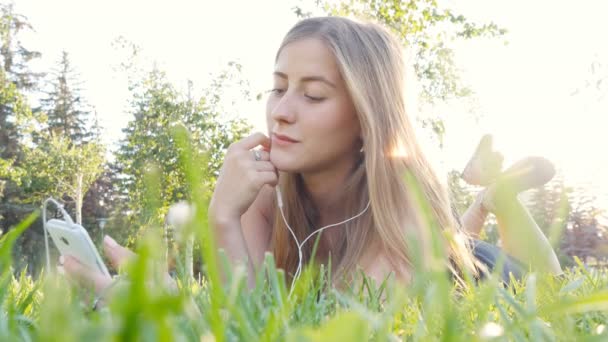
(340, 147)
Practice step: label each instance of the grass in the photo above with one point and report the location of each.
(539, 307)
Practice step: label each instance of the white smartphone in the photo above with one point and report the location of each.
(73, 239)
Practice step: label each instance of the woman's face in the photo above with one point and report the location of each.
(309, 104)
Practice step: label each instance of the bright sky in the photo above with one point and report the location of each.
(523, 89)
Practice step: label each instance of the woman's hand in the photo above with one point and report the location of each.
(242, 176)
(87, 277)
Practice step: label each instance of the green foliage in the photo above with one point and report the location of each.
(14, 57)
(173, 150)
(427, 30)
(62, 169)
(15, 121)
(14, 112)
(149, 144)
(144, 306)
(67, 114)
(38, 157)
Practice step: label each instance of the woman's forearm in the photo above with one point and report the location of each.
(230, 238)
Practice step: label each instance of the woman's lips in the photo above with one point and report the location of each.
(282, 140)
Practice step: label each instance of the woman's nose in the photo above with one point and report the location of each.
(283, 109)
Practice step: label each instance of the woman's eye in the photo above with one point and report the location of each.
(315, 99)
(277, 91)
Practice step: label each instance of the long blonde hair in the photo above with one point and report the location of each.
(372, 66)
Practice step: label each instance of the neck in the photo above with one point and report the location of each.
(326, 189)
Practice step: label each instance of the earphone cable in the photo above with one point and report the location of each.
(300, 245)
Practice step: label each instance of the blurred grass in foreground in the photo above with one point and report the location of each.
(538, 308)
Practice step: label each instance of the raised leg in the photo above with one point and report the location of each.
(520, 236)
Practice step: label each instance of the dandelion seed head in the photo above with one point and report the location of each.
(491, 330)
(180, 214)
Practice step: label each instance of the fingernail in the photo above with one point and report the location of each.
(61, 259)
(110, 242)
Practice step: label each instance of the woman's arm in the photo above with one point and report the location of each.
(245, 239)
(235, 211)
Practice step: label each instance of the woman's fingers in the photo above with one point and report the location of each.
(264, 166)
(117, 254)
(84, 275)
(120, 255)
(269, 177)
(263, 155)
(252, 141)
(242, 176)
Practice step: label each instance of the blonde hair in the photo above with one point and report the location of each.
(372, 66)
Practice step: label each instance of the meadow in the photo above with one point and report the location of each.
(221, 307)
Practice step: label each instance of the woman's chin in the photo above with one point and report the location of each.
(284, 165)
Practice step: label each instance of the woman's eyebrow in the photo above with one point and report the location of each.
(308, 78)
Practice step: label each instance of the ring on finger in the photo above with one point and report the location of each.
(257, 155)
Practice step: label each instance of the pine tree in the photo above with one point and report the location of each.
(15, 57)
(15, 78)
(12, 109)
(15, 114)
(16, 124)
(64, 106)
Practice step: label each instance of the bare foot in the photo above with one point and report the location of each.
(485, 165)
(530, 172)
(527, 173)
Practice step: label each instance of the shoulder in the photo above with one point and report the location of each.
(377, 265)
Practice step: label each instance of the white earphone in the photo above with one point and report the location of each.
(298, 244)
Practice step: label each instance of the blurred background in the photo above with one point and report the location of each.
(89, 92)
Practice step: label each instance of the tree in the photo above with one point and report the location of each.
(427, 30)
(17, 121)
(15, 76)
(584, 235)
(13, 110)
(100, 202)
(149, 144)
(64, 106)
(63, 170)
(34, 163)
(151, 176)
(14, 117)
(15, 57)
(56, 168)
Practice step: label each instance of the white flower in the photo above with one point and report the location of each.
(600, 329)
(180, 214)
(491, 330)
